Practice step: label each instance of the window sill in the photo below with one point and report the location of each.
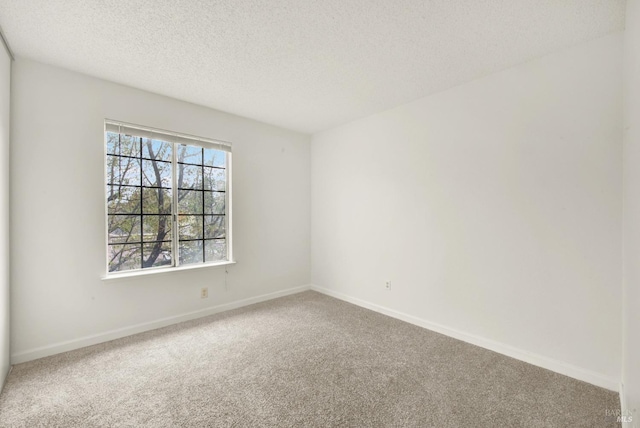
(156, 271)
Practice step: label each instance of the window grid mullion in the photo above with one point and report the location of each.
(202, 196)
(134, 186)
(137, 157)
(175, 248)
(141, 204)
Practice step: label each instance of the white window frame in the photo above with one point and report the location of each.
(175, 139)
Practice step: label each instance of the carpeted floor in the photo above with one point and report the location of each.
(305, 360)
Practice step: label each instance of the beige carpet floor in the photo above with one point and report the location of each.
(305, 360)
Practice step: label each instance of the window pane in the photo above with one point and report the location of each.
(215, 178)
(189, 202)
(190, 252)
(156, 173)
(190, 227)
(140, 186)
(157, 254)
(123, 200)
(122, 145)
(213, 226)
(156, 149)
(214, 157)
(189, 176)
(123, 228)
(113, 143)
(156, 228)
(215, 250)
(123, 170)
(129, 146)
(190, 154)
(124, 257)
(156, 201)
(214, 202)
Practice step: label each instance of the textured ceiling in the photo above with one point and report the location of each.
(306, 65)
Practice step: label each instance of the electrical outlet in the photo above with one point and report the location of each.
(204, 293)
(387, 285)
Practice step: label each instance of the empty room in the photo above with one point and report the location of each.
(245, 213)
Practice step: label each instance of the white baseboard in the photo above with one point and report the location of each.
(510, 351)
(528, 357)
(69, 345)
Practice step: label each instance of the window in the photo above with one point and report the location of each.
(167, 199)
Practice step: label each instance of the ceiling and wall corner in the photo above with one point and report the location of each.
(305, 67)
(5, 43)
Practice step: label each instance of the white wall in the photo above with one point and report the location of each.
(58, 250)
(631, 214)
(494, 208)
(5, 87)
